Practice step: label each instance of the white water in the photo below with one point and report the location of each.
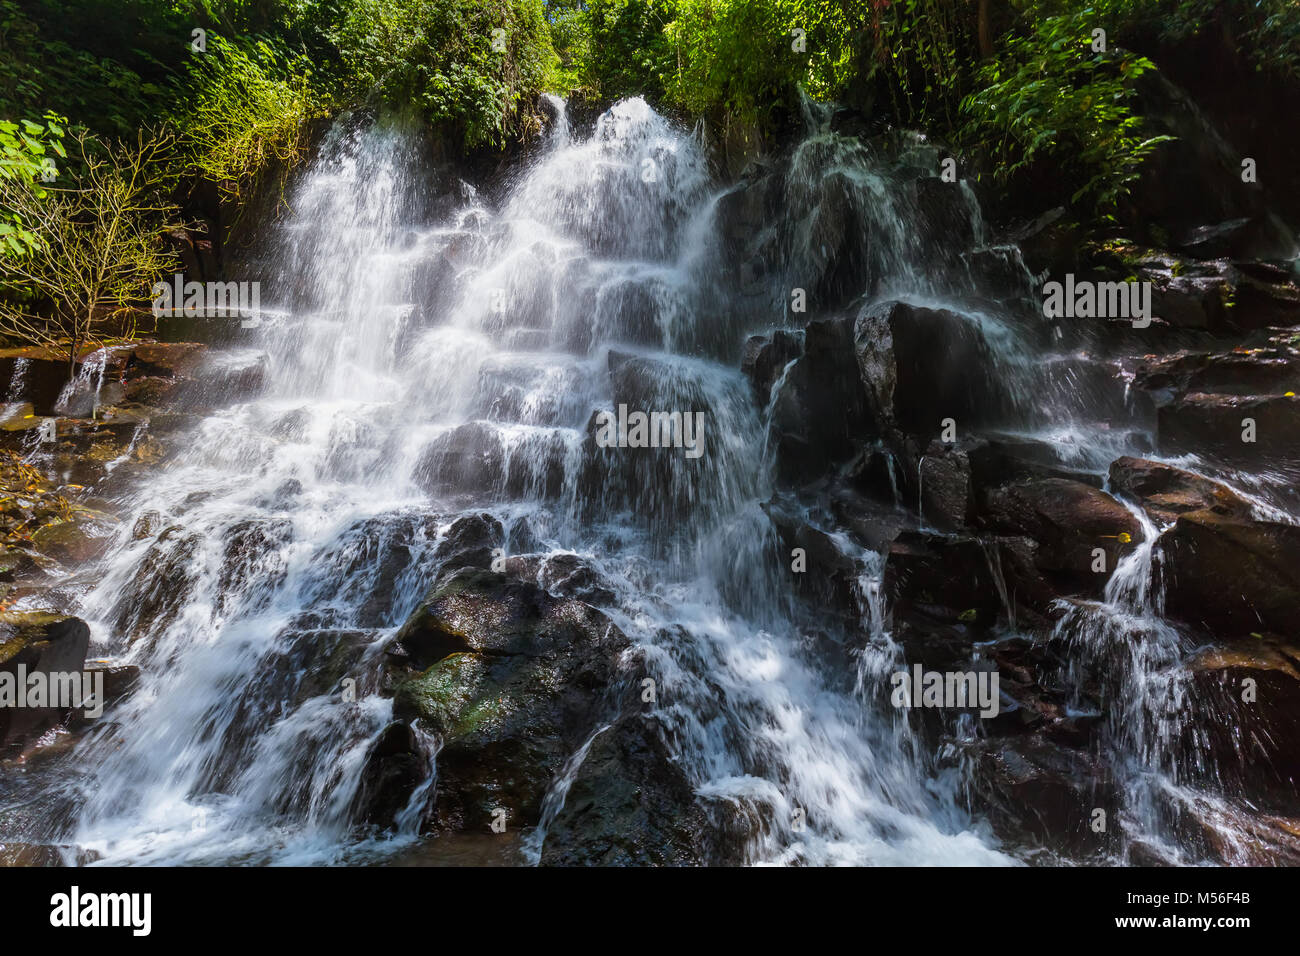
(309, 517)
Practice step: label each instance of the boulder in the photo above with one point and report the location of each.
(1068, 520)
(1231, 575)
(1238, 428)
(43, 643)
(511, 679)
(819, 413)
(920, 366)
(1246, 696)
(946, 578)
(1167, 492)
(628, 804)
(766, 357)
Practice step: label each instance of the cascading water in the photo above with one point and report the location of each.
(430, 357)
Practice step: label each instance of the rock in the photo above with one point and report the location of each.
(396, 766)
(467, 459)
(512, 680)
(1231, 575)
(629, 804)
(1253, 746)
(946, 492)
(830, 577)
(819, 414)
(1048, 244)
(1190, 181)
(1068, 520)
(1167, 492)
(1039, 794)
(1238, 428)
(766, 357)
(945, 577)
(920, 366)
(47, 854)
(40, 643)
(1270, 371)
(73, 542)
(34, 374)
(471, 541)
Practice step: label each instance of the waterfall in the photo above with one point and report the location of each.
(433, 353)
(430, 357)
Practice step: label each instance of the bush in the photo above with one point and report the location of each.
(251, 108)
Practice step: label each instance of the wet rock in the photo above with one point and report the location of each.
(1245, 698)
(920, 366)
(943, 210)
(564, 575)
(45, 854)
(1048, 244)
(819, 415)
(629, 804)
(468, 459)
(73, 542)
(155, 597)
(513, 680)
(1260, 371)
(829, 577)
(470, 542)
(998, 459)
(946, 493)
(1231, 575)
(1068, 520)
(40, 643)
(1238, 428)
(766, 357)
(1037, 793)
(395, 768)
(34, 374)
(944, 578)
(1167, 492)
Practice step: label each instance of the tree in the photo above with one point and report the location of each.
(101, 245)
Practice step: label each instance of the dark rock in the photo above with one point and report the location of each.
(1217, 424)
(945, 577)
(819, 414)
(468, 459)
(1037, 793)
(1068, 520)
(1167, 492)
(766, 357)
(470, 542)
(513, 681)
(395, 767)
(947, 496)
(1251, 746)
(1231, 575)
(629, 804)
(920, 366)
(40, 643)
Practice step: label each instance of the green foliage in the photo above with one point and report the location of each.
(108, 65)
(253, 101)
(475, 67)
(570, 30)
(1049, 95)
(27, 159)
(629, 50)
(101, 245)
